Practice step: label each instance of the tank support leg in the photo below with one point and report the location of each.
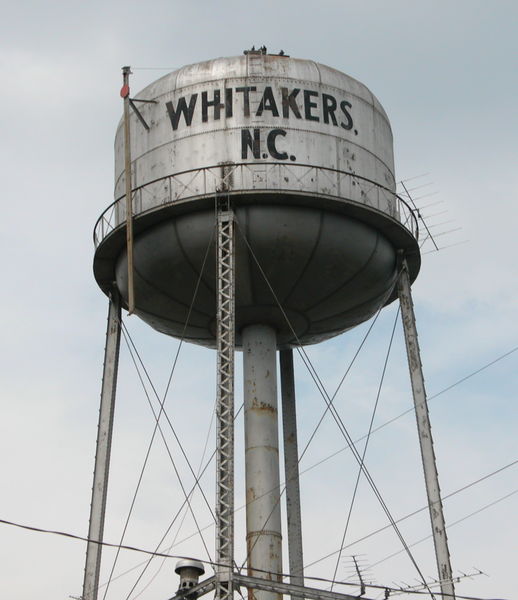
(225, 401)
(263, 514)
(102, 455)
(291, 469)
(425, 436)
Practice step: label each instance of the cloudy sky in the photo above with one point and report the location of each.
(445, 73)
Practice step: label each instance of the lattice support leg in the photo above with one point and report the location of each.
(225, 400)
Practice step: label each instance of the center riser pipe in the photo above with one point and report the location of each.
(263, 511)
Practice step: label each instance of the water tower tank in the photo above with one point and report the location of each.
(304, 153)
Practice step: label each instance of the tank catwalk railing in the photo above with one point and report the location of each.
(258, 177)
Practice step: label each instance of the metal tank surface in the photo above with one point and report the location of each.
(304, 153)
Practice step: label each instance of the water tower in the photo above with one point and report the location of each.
(264, 216)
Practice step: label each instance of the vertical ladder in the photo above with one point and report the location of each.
(225, 399)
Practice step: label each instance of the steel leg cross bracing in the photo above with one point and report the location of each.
(291, 469)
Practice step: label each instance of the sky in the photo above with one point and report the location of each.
(445, 72)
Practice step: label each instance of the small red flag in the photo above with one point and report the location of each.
(125, 91)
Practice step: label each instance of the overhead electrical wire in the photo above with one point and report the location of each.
(444, 390)
(312, 436)
(185, 512)
(179, 511)
(379, 427)
(341, 426)
(355, 490)
(394, 419)
(157, 426)
(282, 491)
(166, 416)
(206, 562)
(409, 410)
(166, 555)
(415, 512)
(329, 404)
(326, 410)
(385, 527)
(187, 496)
(174, 520)
(390, 421)
(156, 553)
(476, 512)
(200, 466)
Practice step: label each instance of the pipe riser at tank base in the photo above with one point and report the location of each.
(263, 515)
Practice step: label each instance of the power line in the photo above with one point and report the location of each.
(187, 496)
(211, 563)
(180, 557)
(458, 382)
(368, 477)
(380, 385)
(341, 426)
(415, 512)
(176, 517)
(157, 422)
(196, 480)
(340, 384)
(328, 406)
(476, 512)
(185, 512)
(409, 410)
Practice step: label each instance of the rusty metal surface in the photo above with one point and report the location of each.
(424, 429)
(245, 178)
(319, 116)
(291, 469)
(103, 450)
(305, 153)
(326, 271)
(263, 511)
